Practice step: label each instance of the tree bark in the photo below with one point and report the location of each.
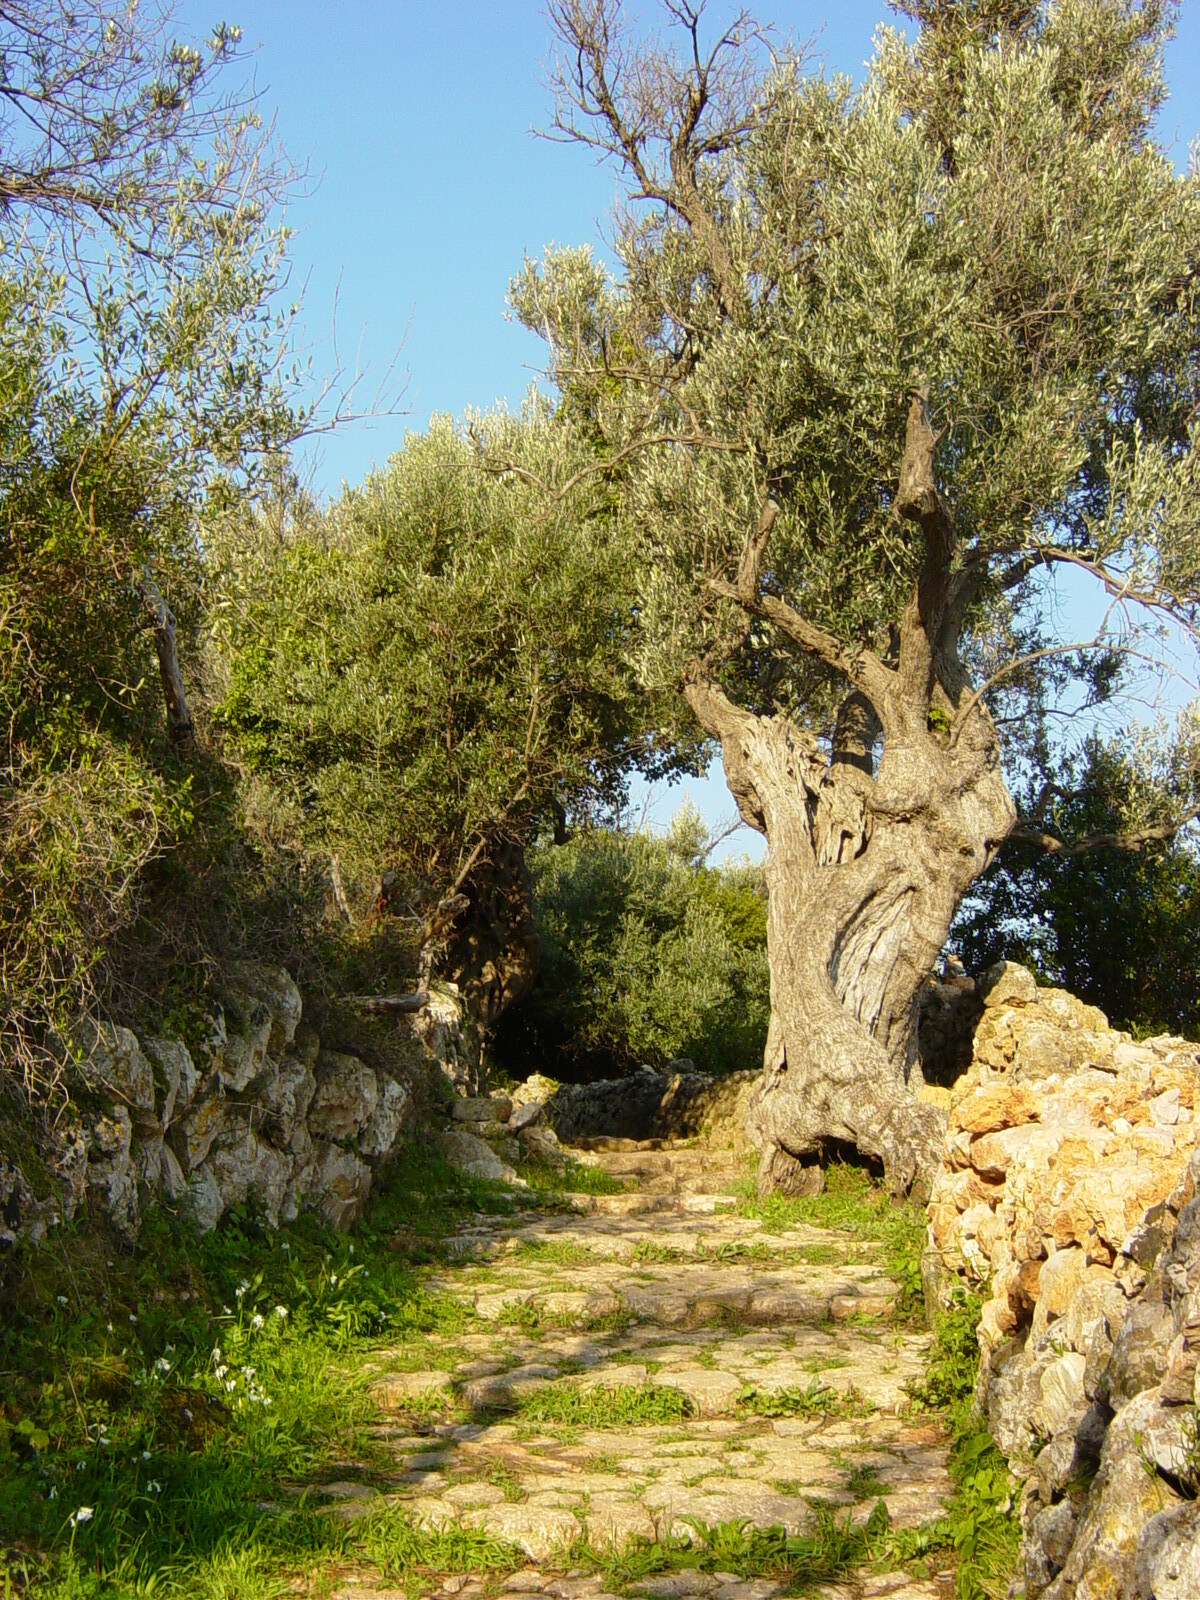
(492, 950)
(865, 872)
(181, 729)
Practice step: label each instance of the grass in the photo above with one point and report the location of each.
(852, 1203)
(167, 1416)
(834, 1546)
(570, 1177)
(551, 1253)
(567, 1404)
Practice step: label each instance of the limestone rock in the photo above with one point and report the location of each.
(246, 1168)
(175, 1075)
(285, 1103)
(1122, 1500)
(1066, 1193)
(261, 993)
(382, 1130)
(678, 1102)
(203, 1199)
(112, 1176)
(472, 1110)
(1048, 1544)
(201, 1124)
(346, 1096)
(243, 1063)
(537, 1087)
(1007, 983)
(469, 1155)
(341, 1182)
(525, 1115)
(1166, 1564)
(113, 1061)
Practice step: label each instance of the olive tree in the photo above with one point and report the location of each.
(877, 365)
(427, 672)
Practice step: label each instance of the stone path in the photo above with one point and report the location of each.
(648, 1360)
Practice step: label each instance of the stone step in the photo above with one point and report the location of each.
(693, 1298)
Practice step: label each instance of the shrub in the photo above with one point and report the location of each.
(647, 954)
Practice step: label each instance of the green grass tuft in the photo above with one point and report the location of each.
(567, 1404)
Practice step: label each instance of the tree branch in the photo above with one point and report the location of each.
(861, 667)
(918, 500)
(1131, 843)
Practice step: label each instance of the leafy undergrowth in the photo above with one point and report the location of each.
(854, 1203)
(980, 1523)
(169, 1415)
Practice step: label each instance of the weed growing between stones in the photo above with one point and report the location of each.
(401, 1548)
(834, 1546)
(571, 1177)
(624, 1406)
(817, 1400)
(980, 1523)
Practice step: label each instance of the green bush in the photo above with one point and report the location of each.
(647, 954)
(1119, 927)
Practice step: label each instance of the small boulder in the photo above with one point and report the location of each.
(525, 1115)
(469, 1155)
(1007, 984)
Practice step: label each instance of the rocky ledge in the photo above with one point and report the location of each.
(258, 1111)
(1069, 1201)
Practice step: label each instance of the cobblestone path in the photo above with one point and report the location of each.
(654, 1358)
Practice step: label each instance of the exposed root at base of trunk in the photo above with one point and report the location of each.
(781, 1173)
(793, 1123)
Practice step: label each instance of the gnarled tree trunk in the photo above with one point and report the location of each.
(869, 859)
(865, 873)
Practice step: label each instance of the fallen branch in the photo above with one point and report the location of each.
(390, 1004)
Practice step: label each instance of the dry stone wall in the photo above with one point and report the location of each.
(676, 1102)
(1069, 1200)
(258, 1112)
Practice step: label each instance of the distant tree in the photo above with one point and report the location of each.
(878, 363)
(1118, 926)
(427, 673)
(647, 954)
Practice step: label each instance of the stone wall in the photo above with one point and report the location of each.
(677, 1102)
(257, 1112)
(1068, 1201)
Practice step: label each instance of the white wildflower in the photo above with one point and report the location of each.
(257, 1320)
(281, 1312)
(84, 1514)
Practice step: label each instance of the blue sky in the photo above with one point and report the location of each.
(427, 189)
